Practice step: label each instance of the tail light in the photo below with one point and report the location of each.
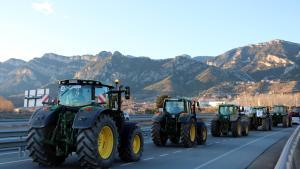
(89, 109)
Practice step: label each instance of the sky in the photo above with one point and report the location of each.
(154, 28)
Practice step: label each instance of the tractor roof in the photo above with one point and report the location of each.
(82, 82)
(177, 99)
(280, 105)
(227, 105)
(258, 107)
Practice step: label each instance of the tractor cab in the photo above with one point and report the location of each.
(280, 109)
(81, 93)
(227, 110)
(260, 111)
(174, 107)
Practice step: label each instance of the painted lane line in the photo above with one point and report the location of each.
(126, 164)
(234, 150)
(15, 152)
(15, 161)
(217, 142)
(179, 151)
(162, 155)
(150, 158)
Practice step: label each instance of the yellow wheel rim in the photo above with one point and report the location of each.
(193, 132)
(105, 142)
(204, 134)
(136, 144)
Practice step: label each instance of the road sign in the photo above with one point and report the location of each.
(36, 97)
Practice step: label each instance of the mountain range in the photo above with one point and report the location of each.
(183, 75)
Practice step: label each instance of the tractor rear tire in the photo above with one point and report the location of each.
(270, 123)
(265, 124)
(285, 121)
(236, 128)
(189, 133)
(43, 154)
(245, 130)
(275, 122)
(131, 143)
(290, 121)
(215, 128)
(97, 146)
(158, 137)
(201, 133)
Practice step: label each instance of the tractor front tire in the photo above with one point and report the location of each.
(158, 137)
(215, 128)
(41, 153)
(201, 133)
(236, 128)
(189, 133)
(285, 121)
(96, 146)
(131, 143)
(245, 130)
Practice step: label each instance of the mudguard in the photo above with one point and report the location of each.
(184, 118)
(201, 123)
(158, 117)
(85, 119)
(41, 118)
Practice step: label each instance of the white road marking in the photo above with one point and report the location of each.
(9, 162)
(217, 142)
(179, 151)
(234, 150)
(162, 155)
(150, 158)
(15, 152)
(126, 164)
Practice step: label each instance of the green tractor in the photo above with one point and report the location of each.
(229, 119)
(177, 121)
(260, 118)
(280, 115)
(86, 119)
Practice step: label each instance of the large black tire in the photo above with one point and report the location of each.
(188, 133)
(236, 128)
(158, 137)
(275, 122)
(270, 123)
(290, 121)
(285, 121)
(88, 140)
(245, 128)
(131, 143)
(265, 124)
(215, 128)
(201, 133)
(41, 153)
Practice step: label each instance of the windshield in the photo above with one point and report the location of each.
(225, 110)
(174, 107)
(75, 95)
(278, 109)
(296, 109)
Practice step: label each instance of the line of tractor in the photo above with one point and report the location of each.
(87, 119)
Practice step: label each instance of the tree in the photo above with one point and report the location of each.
(160, 100)
(6, 105)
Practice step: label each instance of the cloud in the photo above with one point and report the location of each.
(43, 7)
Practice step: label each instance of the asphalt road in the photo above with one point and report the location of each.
(222, 152)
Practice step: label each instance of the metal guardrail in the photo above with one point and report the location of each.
(17, 138)
(289, 158)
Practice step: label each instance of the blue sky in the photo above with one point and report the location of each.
(153, 28)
